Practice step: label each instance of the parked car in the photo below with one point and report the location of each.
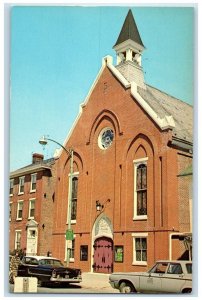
(48, 270)
(164, 277)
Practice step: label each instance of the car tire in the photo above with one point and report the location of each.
(126, 287)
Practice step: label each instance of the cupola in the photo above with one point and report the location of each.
(129, 48)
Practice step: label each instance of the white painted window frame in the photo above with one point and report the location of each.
(22, 178)
(136, 163)
(19, 204)
(11, 186)
(75, 174)
(17, 232)
(134, 236)
(30, 201)
(71, 259)
(34, 175)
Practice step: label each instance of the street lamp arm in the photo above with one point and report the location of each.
(43, 141)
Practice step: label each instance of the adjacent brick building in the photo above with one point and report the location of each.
(31, 207)
(130, 142)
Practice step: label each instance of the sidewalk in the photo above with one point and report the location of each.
(97, 281)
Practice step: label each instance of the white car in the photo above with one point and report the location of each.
(164, 277)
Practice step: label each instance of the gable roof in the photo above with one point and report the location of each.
(129, 31)
(166, 105)
(165, 110)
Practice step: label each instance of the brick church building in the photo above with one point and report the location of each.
(124, 196)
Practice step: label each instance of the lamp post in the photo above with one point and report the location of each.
(43, 141)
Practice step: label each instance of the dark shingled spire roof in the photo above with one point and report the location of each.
(129, 31)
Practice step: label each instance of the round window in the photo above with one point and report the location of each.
(105, 138)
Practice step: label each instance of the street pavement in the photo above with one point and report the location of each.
(92, 283)
(97, 281)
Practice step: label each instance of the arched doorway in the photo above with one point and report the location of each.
(103, 255)
(102, 245)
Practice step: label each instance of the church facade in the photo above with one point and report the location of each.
(121, 193)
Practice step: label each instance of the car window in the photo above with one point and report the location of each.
(159, 268)
(50, 262)
(57, 263)
(189, 268)
(174, 268)
(30, 261)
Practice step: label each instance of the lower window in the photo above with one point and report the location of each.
(139, 249)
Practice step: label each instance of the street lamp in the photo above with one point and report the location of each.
(43, 141)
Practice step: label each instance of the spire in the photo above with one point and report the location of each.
(129, 48)
(129, 31)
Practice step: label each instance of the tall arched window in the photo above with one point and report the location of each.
(140, 188)
(74, 198)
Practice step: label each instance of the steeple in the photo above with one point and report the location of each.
(129, 48)
(129, 31)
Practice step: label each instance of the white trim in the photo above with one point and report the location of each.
(71, 176)
(140, 160)
(136, 163)
(32, 190)
(165, 123)
(20, 178)
(134, 236)
(82, 105)
(16, 233)
(11, 180)
(31, 200)
(18, 204)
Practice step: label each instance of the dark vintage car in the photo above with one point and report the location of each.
(48, 270)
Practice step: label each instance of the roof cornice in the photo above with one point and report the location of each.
(29, 170)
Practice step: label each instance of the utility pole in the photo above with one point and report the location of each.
(69, 233)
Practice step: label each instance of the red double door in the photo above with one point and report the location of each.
(103, 255)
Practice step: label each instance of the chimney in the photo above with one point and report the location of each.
(37, 158)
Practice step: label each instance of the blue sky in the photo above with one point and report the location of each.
(56, 53)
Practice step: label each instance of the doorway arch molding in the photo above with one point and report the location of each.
(102, 227)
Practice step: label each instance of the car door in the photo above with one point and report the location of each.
(152, 283)
(174, 279)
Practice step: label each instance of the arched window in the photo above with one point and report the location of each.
(74, 198)
(140, 188)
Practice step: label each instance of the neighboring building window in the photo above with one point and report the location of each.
(71, 245)
(84, 253)
(33, 183)
(140, 249)
(10, 211)
(72, 251)
(74, 198)
(31, 208)
(140, 201)
(18, 239)
(11, 187)
(19, 210)
(21, 185)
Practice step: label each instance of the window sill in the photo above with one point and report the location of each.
(139, 218)
(139, 263)
(30, 218)
(21, 193)
(32, 191)
(19, 219)
(10, 195)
